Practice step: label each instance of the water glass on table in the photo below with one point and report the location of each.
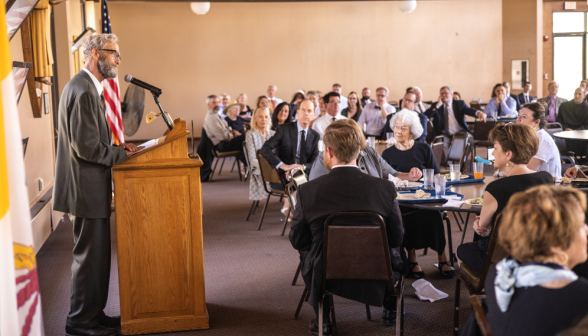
(478, 170)
(389, 135)
(553, 171)
(429, 178)
(372, 142)
(440, 182)
(321, 146)
(454, 172)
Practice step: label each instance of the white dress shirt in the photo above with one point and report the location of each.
(321, 124)
(276, 99)
(317, 112)
(453, 124)
(343, 105)
(372, 117)
(527, 98)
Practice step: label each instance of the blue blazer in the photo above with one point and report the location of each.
(460, 110)
(522, 99)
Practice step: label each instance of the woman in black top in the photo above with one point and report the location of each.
(422, 228)
(281, 115)
(515, 145)
(296, 100)
(543, 231)
(232, 117)
(353, 109)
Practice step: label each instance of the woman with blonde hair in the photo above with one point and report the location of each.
(260, 132)
(534, 291)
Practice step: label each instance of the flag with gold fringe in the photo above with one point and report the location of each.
(20, 301)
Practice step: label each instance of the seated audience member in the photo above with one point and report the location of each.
(225, 99)
(408, 89)
(262, 101)
(501, 104)
(255, 138)
(374, 114)
(408, 103)
(515, 145)
(512, 95)
(337, 88)
(233, 119)
(344, 189)
(552, 101)
(420, 107)
(424, 228)
(365, 97)
(245, 109)
(314, 97)
(353, 110)
(368, 161)
(296, 99)
(331, 101)
(584, 85)
(547, 158)
(271, 96)
(456, 96)
(295, 144)
(223, 138)
(454, 111)
(281, 115)
(534, 291)
(573, 115)
(525, 97)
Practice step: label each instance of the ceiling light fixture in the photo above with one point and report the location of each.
(200, 8)
(407, 6)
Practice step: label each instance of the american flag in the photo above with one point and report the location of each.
(111, 90)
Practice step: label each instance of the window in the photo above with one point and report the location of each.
(569, 51)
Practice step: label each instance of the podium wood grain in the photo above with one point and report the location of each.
(158, 206)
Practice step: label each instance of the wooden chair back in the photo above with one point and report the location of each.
(268, 173)
(480, 316)
(355, 247)
(495, 253)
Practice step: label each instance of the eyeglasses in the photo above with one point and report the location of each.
(116, 53)
(334, 102)
(381, 96)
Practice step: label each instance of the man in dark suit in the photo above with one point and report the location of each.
(513, 96)
(295, 144)
(409, 103)
(345, 188)
(449, 116)
(83, 185)
(525, 97)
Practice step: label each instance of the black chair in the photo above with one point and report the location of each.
(204, 150)
(566, 163)
(481, 134)
(358, 252)
(473, 280)
(561, 144)
(438, 151)
(224, 155)
(457, 152)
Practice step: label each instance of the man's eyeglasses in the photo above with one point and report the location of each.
(116, 53)
(381, 96)
(334, 102)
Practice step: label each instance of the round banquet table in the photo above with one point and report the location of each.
(468, 190)
(572, 135)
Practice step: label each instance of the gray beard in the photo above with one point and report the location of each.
(106, 70)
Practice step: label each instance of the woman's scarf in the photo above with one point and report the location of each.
(510, 275)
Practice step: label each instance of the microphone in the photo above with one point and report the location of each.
(153, 89)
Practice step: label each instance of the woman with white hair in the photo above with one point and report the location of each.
(261, 124)
(423, 228)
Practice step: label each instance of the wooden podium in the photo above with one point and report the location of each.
(158, 202)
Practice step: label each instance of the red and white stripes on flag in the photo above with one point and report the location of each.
(111, 88)
(113, 109)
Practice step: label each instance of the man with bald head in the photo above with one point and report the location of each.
(271, 95)
(552, 102)
(573, 115)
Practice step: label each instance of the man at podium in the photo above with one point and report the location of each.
(83, 185)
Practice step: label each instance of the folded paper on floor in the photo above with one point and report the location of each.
(426, 291)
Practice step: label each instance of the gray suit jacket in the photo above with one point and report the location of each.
(84, 154)
(558, 102)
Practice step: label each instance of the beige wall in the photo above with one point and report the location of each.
(243, 47)
(522, 34)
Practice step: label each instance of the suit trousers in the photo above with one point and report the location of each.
(90, 271)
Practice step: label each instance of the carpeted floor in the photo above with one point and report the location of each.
(249, 275)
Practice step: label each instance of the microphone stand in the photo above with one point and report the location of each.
(156, 97)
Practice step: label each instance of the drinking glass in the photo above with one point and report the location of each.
(428, 176)
(372, 142)
(478, 170)
(321, 146)
(389, 135)
(454, 172)
(440, 185)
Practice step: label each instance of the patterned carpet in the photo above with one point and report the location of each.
(249, 275)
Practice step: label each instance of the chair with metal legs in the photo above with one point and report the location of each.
(269, 174)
